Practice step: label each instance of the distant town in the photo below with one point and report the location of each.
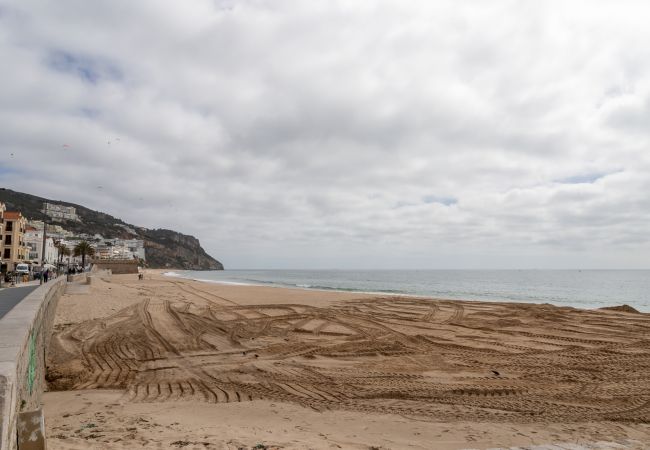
(39, 244)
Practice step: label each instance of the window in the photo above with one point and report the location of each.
(7, 254)
(8, 239)
(10, 225)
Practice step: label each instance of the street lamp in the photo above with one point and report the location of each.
(43, 252)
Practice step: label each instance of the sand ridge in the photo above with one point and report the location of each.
(172, 340)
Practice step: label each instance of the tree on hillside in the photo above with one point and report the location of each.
(82, 249)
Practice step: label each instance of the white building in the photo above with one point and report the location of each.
(56, 232)
(134, 248)
(60, 212)
(120, 249)
(34, 243)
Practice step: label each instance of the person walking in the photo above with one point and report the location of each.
(46, 275)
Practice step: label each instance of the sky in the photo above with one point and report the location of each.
(341, 134)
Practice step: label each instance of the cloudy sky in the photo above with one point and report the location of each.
(341, 134)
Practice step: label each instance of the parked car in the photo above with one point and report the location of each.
(22, 269)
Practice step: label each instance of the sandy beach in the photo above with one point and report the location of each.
(172, 363)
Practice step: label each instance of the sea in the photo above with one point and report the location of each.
(576, 288)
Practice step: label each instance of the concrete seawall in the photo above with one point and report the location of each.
(24, 337)
(117, 266)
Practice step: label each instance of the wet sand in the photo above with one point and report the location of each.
(166, 362)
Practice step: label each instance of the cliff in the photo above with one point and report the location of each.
(163, 248)
(167, 248)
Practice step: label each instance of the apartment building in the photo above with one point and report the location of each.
(120, 249)
(14, 250)
(54, 231)
(34, 242)
(60, 212)
(2, 211)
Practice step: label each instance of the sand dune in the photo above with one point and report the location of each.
(463, 374)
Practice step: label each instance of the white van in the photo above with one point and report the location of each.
(22, 269)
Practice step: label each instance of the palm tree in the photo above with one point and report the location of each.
(63, 251)
(82, 249)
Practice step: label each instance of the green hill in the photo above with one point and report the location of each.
(163, 248)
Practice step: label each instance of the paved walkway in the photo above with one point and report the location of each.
(11, 296)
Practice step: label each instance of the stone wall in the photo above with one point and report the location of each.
(117, 267)
(77, 277)
(25, 333)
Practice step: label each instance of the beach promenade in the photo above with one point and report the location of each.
(11, 296)
(177, 363)
(25, 331)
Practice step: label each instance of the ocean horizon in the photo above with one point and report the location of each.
(587, 289)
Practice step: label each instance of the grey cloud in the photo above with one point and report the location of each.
(286, 133)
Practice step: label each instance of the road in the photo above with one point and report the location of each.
(10, 297)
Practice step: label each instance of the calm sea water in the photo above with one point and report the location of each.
(577, 288)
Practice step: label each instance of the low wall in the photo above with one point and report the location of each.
(25, 333)
(88, 277)
(76, 278)
(117, 267)
(99, 274)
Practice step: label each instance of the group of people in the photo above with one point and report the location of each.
(44, 274)
(72, 270)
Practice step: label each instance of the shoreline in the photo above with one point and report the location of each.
(317, 289)
(163, 272)
(174, 362)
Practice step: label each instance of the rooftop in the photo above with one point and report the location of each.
(12, 215)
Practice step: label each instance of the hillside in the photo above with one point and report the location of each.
(164, 248)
